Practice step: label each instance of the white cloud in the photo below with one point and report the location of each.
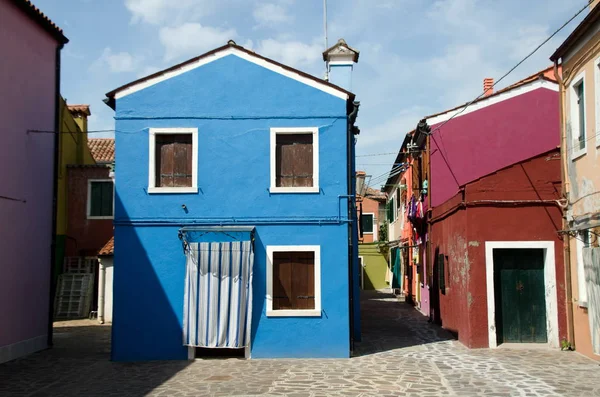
(169, 11)
(269, 14)
(117, 62)
(292, 53)
(192, 39)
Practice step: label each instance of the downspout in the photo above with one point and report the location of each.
(430, 258)
(54, 194)
(565, 195)
(351, 225)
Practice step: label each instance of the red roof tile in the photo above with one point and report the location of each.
(109, 247)
(35, 14)
(80, 109)
(103, 149)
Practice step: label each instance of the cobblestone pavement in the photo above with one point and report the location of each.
(401, 355)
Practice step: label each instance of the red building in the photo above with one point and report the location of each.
(497, 271)
(90, 201)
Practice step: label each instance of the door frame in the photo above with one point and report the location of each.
(549, 285)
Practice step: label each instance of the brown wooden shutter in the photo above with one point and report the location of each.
(182, 154)
(293, 280)
(294, 160)
(164, 160)
(173, 160)
(282, 281)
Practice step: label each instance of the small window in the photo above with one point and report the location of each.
(583, 243)
(293, 281)
(173, 160)
(580, 114)
(577, 117)
(100, 203)
(294, 160)
(367, 222)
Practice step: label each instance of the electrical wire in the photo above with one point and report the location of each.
(376, 154)
(513, 68)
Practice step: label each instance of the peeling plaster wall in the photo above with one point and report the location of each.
(583, 172)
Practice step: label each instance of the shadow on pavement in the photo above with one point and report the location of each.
(389, 323)
(78, 365)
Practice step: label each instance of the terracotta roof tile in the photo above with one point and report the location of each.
(109, 247)
(103, 149)
(35, 14)
(375, 194)
(80, 109)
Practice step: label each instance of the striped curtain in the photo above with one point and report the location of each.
(218, 294)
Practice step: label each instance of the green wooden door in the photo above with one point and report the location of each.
(520, 295)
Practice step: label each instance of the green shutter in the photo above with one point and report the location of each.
(101, 199)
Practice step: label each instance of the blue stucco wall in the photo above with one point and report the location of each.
(233, 103)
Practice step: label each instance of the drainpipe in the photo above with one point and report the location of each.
(565, 195)
(54, 194)
(351, 216)
(101, 290)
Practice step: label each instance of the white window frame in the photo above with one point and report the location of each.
(295, 130)
(316, 312)
(152, 188)
(89, 199)
(374, 232)
(582, 295)
(574, 116)
(597, 100)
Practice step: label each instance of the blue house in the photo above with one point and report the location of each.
(234, 210)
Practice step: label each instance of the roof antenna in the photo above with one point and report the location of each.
(326, 43)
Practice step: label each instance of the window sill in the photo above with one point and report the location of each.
(368, 233)
(172, 190)
(583, 305)
(275, 189)
(100, 217)
(579, 153)
(294, 313)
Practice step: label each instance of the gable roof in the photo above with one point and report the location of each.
(341, 48)
(577, 34)
(231, 48)
(103, 149)
(41, 19)
(544, 76)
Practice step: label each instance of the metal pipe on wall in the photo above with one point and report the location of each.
(565, 194)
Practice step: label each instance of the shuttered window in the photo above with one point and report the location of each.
(293, 280)
(100, 199)
(366, 220)
(173, 160)
(294, 160)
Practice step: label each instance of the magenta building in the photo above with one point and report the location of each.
(29, 87)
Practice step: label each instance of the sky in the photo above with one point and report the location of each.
(417, 57)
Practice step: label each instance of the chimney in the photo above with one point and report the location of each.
(488, 86)
(340, 60)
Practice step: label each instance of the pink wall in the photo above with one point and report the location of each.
(481, 142)
(27, 101)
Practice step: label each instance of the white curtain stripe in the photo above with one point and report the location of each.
(218, 294)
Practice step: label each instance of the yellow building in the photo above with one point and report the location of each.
(579, 59)
(73, 150)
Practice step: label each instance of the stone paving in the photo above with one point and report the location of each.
(401, 355)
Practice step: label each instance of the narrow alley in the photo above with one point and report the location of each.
(401, 355)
